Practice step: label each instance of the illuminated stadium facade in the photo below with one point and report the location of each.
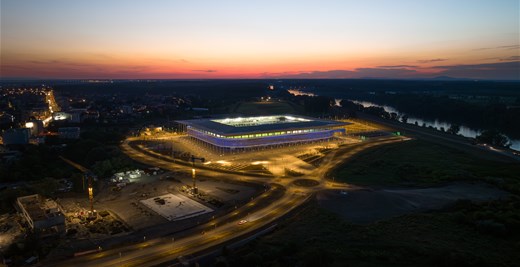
(261, 131)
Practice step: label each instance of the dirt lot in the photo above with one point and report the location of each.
(125, 203)
(365, 206)
(9, 230)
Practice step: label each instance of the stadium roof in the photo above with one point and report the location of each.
(289, 122)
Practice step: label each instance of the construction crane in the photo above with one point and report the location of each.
(193, 176)
(86, 173)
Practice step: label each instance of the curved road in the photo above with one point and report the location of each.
(223, 229)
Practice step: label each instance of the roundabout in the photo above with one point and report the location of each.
(280, 196)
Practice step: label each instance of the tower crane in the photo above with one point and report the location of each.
(89, 175)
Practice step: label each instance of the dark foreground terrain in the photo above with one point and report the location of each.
(465, 213)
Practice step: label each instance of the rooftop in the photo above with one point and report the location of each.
(38, 208)
(259, 124)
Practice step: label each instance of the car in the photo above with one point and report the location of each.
(241, 222)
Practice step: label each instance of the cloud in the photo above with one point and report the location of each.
(398, 66)
(511, 58)
(209, 71)
(517, 46)
(397, 73)
(431, 60)
(57, 68)
(505, 47)
(491, 71)
(330, 74)
(496, 71)
(386, 73)
(55, 62)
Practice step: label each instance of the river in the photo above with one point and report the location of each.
(464, 130)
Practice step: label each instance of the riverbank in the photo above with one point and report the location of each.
(436, 124)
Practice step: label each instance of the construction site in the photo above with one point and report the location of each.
(118, 207)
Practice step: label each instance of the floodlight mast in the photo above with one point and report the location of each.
(90, 192)
(193, 175)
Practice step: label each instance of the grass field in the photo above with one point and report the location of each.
(266, 108)
(463, 234)
(420, 163)
(455, 237)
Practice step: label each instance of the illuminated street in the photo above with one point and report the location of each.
(223, 229)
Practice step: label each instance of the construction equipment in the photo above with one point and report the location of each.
(193, 176)
(89, 175)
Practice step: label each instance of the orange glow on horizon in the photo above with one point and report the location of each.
(259, 39)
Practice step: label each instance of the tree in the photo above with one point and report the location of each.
(454, 129)
(318, 104)
(103, 168)
(45, 187)
(494, 138)
(95, 154)
(404, 118)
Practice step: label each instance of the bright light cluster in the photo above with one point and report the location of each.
(261, 120)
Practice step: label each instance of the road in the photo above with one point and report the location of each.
(223, 229)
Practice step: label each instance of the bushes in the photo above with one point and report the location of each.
(491, 227)
(499, 217)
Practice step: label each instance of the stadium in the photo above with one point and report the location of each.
(261, 131)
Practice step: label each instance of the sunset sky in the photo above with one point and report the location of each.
(260, 39)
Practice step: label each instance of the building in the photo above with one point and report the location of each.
(76, 115)
(35, 126)
(60, 116)
(18, 136)
(261, 131)
(43, 215)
